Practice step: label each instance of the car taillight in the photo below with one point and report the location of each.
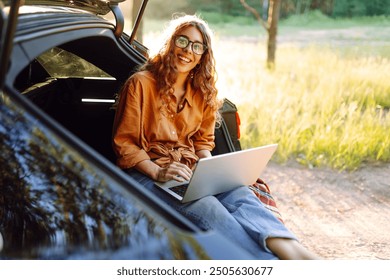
(238, 122)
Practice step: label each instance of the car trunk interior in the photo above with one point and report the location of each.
(83, 105)
(62, 99)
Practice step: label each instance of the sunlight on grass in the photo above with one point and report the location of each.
(322, 109)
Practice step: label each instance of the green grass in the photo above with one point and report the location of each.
(326, 103)
(321, 108)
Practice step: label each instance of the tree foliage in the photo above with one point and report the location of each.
(334, 8)
(351, 8)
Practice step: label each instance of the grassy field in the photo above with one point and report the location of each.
(327, 101)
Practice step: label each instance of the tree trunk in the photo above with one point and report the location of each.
(273, 19)
(271, 26)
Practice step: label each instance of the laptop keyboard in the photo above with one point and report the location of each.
(180, 190)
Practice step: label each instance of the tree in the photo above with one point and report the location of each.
(270, 24)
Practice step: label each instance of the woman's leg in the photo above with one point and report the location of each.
(262, 225)
(209, 214)
(290, 249)
(251, 214)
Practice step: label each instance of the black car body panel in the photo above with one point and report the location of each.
(61, 197)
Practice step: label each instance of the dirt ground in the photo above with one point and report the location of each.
(337, 215)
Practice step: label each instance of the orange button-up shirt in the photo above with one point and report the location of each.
(143, 129)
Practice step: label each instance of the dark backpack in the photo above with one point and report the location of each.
(227, 138)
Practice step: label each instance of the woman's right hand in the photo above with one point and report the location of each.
(175, 171)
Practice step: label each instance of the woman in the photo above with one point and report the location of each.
(165, 122)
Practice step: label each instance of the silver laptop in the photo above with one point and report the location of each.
(221, 173)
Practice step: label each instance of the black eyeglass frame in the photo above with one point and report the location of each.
(190, 42)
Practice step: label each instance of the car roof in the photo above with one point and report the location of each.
(100, 7)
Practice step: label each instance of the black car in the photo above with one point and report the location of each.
(61, 196)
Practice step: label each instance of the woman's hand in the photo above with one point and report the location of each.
(175, 171)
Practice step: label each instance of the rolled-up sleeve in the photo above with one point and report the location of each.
(127, 126)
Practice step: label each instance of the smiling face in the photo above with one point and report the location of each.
(185, 59)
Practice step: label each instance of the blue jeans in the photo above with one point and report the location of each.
(238, 215)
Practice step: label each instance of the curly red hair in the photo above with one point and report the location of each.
(202, 77)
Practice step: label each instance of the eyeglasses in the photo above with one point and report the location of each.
(182, 42)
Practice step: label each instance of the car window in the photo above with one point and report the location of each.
(60, 63)
(53, 64)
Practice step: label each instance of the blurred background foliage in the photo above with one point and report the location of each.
(228, 8)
